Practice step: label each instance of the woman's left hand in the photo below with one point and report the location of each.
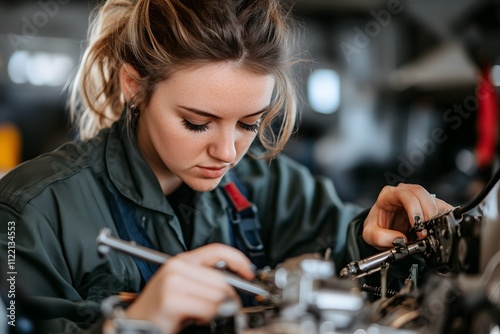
(396, 211)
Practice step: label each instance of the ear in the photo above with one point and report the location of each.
(129, 81)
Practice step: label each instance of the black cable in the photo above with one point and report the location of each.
(479, 198)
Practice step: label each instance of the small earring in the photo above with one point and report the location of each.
(134, 111)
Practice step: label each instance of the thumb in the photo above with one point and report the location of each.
(380, 237)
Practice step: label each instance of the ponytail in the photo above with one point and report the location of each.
(96, 100)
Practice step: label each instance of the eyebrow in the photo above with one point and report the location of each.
(207, 114)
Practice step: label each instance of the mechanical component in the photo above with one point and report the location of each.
(118, 323)
(377, 291)
(442, 236)
(399, 311)
(372, 264)
(308, 295)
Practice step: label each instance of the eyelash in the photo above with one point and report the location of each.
(250, 127)
(194, 127)
(203, 127)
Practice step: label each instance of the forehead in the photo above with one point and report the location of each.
(218, 87)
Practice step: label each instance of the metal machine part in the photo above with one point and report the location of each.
(373, 263)
(119, 324)
(490, 229)
(309, 298)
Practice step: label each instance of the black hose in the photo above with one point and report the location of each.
(479, 198)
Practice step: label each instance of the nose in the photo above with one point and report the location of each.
(223, 146)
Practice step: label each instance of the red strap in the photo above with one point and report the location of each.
(239, 201)
(487, 120)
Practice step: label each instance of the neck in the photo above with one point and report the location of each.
(168, 184)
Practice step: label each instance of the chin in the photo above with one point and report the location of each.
(204, 185)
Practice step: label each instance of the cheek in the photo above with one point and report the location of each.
(243, 144)
(170, 138)
(173, 131)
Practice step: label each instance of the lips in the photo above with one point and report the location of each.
(213, 172)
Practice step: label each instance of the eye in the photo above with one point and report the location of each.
(250, 127)
(194, 127)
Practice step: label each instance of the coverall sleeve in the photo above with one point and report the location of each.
(42, 280)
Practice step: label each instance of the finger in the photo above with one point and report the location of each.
(206, 277)
(204, 301)
(209, 255)
(443, 206)
(182, 287)
(422, 234)
(430, 206)
(381, 237)
(176, 282)
(193, 287)
(422, 204)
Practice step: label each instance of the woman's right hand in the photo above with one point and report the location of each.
(188, 288)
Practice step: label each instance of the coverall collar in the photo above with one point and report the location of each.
(130, 172)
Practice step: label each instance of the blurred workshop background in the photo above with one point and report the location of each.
(396, 90)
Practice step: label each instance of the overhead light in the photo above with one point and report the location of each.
(40, 68)
(323, 91)
(17, 67)
(495, 75)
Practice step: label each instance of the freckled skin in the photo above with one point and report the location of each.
(176, 152)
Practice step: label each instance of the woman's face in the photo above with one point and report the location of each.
(200, 122)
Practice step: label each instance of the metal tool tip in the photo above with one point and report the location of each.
(103, 250)
(344, 273)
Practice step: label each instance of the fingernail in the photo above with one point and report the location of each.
(399, 242)
(221, 264)
(228, 308)
(416, 220)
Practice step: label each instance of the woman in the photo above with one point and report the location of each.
(172, 96)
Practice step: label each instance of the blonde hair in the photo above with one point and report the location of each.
(159, 37)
